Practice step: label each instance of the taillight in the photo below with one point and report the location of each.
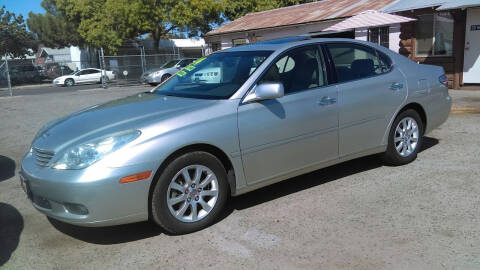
(443, 80)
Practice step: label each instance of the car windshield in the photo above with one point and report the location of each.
(215, 77)
(170, 64)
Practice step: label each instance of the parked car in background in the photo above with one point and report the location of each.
(159, 75)
(25, 74)
(88, 75)
(280, 109)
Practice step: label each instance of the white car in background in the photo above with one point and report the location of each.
(88, 75)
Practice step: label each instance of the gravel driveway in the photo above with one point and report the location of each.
(356, 215)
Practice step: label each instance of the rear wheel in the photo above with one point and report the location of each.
(405, 138)
(69, 82)
(104, 79)
(190, 194)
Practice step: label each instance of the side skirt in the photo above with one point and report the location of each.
(315, 167)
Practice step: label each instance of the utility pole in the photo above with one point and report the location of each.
(8, 76)
(102, 68)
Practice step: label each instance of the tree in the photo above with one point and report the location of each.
(15, 40)
(108, 23)
(234, 9)
(52, 28)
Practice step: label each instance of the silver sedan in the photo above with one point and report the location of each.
(228, 124)
(159, 75)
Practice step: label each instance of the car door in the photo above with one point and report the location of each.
(371, 90)
(296, 131)
(82, 76)
(93, 76)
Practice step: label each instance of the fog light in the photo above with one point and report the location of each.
(42, 202)
(76, 209)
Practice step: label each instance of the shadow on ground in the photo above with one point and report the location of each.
(109, 235)
(11, 226)
(315, 178)
(7, 168)
(142, 230)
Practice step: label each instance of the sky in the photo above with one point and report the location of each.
(23, 6)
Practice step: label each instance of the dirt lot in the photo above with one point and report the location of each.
(356, 215)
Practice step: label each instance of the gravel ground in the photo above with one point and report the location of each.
(356, 215)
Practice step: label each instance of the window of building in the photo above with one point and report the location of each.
(434, 35)
(216, 46)
(239, 42)
(353, 62)
(379, 35)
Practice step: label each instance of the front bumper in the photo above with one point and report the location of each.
(89, 197)
(153, 79)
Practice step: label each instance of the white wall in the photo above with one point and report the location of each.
(395, 38)
(75, 54)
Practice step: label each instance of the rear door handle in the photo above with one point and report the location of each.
(396, 86)
(327, 101)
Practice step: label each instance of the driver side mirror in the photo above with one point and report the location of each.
(77, 74)
(265, 91)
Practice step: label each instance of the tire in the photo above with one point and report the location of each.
(69, 82)
(165, 77)
(207, 208)
(397, 140)
(104, 79)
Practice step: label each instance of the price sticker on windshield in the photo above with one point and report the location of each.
(190, 67)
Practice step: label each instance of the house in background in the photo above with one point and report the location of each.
(72, 57)
(445, 33)
(182, 47)
(306, 19)
(437, 32)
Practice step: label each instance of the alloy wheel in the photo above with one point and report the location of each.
(406, 136)
(192, 193)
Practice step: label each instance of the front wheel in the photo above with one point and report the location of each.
(405, 138)
(165, 77)
(69, 82)
(190, 194)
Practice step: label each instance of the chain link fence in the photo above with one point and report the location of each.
(67, 66)
(42, 68)
(130, 66)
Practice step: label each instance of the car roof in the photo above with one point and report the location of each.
(285, 43)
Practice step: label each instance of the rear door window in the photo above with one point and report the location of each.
(353, 62)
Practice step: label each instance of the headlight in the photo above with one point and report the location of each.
(156, 73)
(85, 154)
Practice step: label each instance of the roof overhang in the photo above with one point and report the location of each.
(370, 18)
(459, 4)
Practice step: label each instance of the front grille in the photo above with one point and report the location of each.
(42, 157)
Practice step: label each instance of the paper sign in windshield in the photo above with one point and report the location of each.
(190, 67)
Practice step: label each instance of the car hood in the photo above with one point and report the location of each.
(171, 70)
(129, 113)
(62, 77)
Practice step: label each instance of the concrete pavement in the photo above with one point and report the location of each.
(356, 215)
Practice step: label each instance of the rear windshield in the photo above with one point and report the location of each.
(218, 76)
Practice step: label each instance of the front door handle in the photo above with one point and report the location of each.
(396, 86)
(327, 101)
